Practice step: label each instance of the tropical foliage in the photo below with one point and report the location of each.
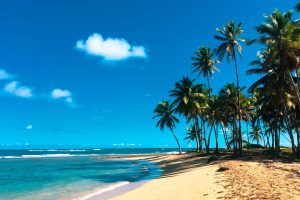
(264, 113)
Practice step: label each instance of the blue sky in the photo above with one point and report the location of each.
(91, 72)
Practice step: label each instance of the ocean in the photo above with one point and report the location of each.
(50, 174)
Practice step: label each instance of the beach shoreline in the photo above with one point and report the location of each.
(188, 166)
(189, 176)
(120, 188)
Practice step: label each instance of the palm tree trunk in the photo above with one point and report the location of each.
(196, 133)
(208, 142)
(247, 133)
(208, 85)
(234, 137)
(239, 106)
(225, 137)
(267, 135)
(298, 115)
(289, 128)
(273, 140)
(197, 144)
(204, 132)
(298, 142)
(201, 135)
(179, 148)
(277, 144)
(264, 140)
(216, 137)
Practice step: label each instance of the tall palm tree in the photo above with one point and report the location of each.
(230, 44)
(228, 109)
(188, 101)
(165, 111)
(281, 35)
(278, 62)
(204, 64)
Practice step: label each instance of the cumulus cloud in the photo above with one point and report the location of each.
(29, 127)
(14, 88)
(112, 49)
(59, 93)
(4, 75)
(65, 95)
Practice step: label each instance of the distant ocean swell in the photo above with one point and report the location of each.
(47, 156)
(54, 153)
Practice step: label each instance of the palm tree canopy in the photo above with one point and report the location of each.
(255, 134)
(277, 26)
(204, 63)
(165, 111)
(230, 40)
(282, 36)
(189, 98)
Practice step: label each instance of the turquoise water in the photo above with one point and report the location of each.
(60, 174)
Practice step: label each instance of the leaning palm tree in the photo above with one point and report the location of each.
(230, 44)
(189, 100)
(165, 111)
(204, 64)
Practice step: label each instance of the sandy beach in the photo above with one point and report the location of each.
(186, 177)
(183, 177)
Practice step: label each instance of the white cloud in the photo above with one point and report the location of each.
(66, 95)
(59, 93)
(29, 127)
(4, 75)
(112, 49)
(14, 88)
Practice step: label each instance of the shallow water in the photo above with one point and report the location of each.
(43, 177)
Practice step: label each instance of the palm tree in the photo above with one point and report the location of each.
(230, 43)
(214, 117)
(165, 111)
(204, 64)
(188, 102)
(277, 62)
(281, 35)
(190, 134)
(255, 134)
(228, 109)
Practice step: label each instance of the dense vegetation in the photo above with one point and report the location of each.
(263, 113)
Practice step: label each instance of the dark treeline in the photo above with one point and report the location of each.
(263, 113)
